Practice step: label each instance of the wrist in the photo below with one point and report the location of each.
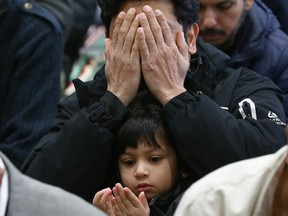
(166, 97)
(124, 98)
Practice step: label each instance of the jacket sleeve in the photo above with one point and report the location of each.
(76, 154)
(208, 136)
(282, 76)
(30, 74)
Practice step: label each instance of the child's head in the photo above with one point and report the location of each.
(146, 160)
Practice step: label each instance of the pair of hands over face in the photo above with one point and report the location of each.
(121, 202)
(144, 44)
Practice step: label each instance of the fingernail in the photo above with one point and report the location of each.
(121, 14)
(131, 11)
(147, 8)
(157, 12)
(142, 16)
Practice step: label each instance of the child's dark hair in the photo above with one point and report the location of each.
(143, 124)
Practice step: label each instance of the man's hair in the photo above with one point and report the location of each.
(143, 124)
(186, 11)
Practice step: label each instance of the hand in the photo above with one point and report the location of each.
(122, 68)
(126, 203)
(164, 62)
(102, 200)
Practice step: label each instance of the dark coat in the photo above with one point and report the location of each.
(209, 127)
(280, 9)
(263, 47)
(31, 51)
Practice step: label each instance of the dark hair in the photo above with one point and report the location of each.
(143, 124)
(186, 11)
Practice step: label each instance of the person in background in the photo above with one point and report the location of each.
(31, 55)
(258, 186)
(24, 196)
(280, 9)
(146, 164)
(250, 34)
(220, 114)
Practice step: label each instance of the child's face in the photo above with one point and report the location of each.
(149, 169)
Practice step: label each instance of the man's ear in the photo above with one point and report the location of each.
(248, 4)
(192, 36)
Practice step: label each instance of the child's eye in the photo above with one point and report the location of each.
(128, 162)
(155, 159)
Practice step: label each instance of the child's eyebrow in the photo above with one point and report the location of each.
(146, 151)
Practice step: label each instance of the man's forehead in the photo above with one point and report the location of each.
(139, 4)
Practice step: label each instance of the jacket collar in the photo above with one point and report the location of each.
(206, 68)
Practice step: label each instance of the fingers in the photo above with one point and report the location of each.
(110, 210)
(145, 19)
(117, 26)
(182, 45)
(120, 196)
(101, 198)
(143, 48)
(125, 202)
(165, 28)
(130, 37)
(143, 200)
(157, 31)
(133, 198)
(122, 27)
(117, 201)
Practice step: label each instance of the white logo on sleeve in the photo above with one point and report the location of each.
(273, 117)
(247, 108)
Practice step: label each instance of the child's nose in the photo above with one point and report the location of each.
(141, 170)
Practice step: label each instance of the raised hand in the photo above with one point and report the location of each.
(102, 200)
(122, 68)
(164, 60)
(126, 203)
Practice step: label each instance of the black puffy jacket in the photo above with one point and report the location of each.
(226, 115)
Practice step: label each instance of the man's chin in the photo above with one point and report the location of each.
(214, 40)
